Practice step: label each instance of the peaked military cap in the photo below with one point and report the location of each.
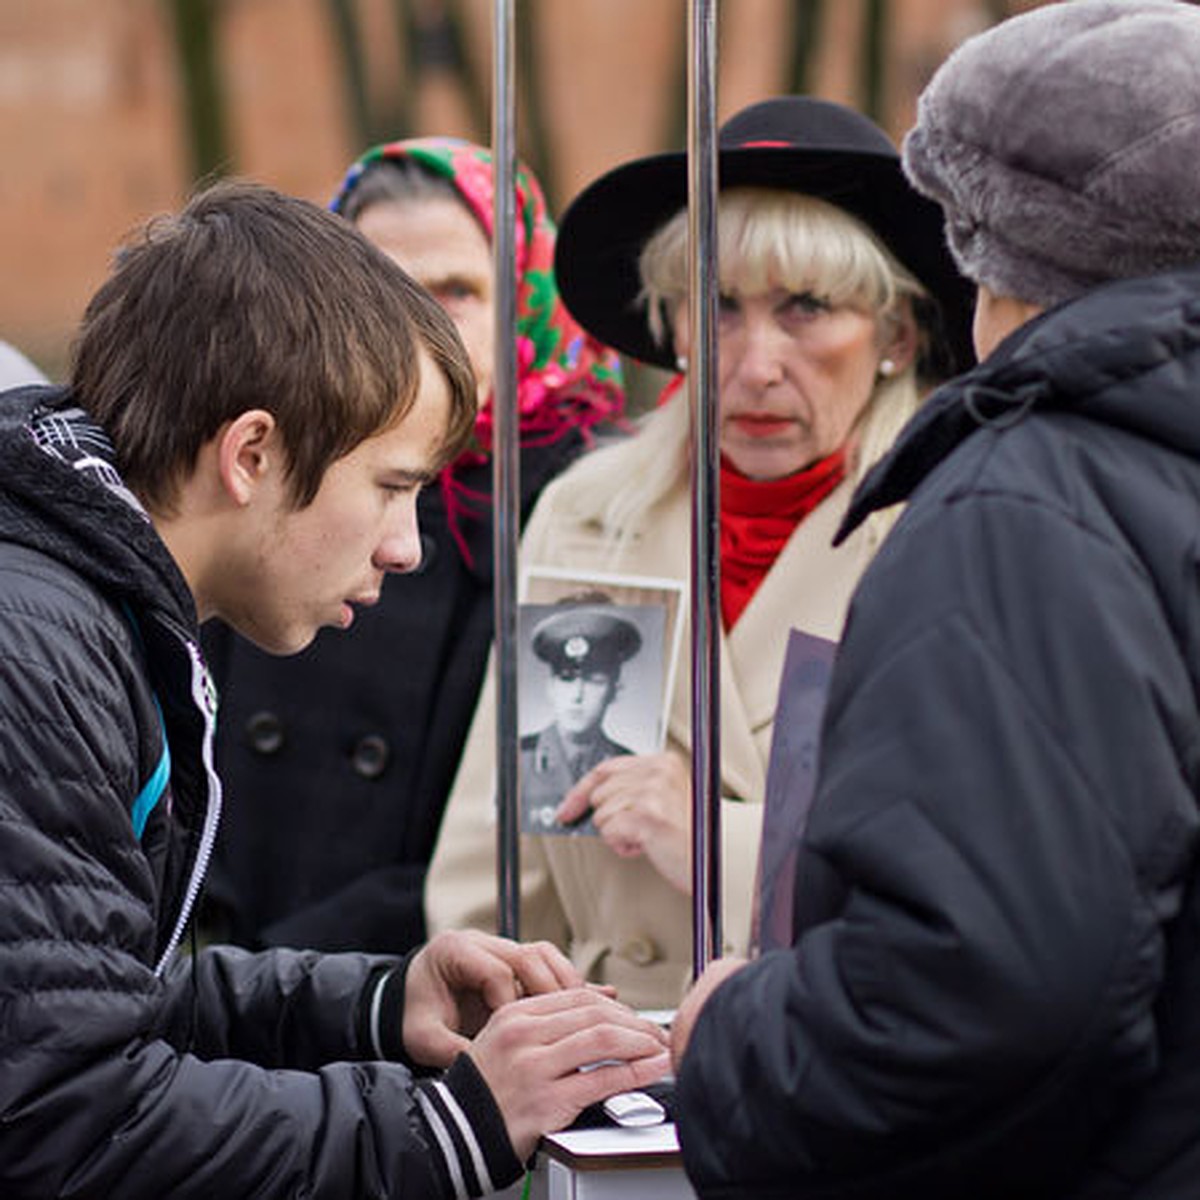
(585, 638)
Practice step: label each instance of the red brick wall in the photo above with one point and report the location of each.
(92, 135)
(91, 132)
(89, 142)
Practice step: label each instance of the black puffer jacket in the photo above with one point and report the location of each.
(125, 1072)
(995, 987)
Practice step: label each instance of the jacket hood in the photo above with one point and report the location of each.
(70, 515)
(1092, 356)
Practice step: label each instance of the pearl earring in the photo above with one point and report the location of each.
(887, 368)
(681, 363)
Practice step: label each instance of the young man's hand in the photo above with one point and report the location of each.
(530, 1054)
(459, 979)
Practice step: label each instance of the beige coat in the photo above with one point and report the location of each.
(617, 918)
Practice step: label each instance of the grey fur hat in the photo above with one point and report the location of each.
(1064, 146)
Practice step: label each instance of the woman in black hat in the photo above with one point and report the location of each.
(838, 296)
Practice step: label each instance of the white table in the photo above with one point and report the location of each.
(608, 1164)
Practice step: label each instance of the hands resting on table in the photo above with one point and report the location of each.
(524, 1013)
(529, 1022)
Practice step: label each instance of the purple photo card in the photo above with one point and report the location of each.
(791, 777)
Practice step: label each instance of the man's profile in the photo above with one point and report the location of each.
(256, 399)
(584, 647)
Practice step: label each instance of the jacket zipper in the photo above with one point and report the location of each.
(204, 698)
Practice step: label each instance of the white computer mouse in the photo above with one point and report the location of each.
(634, 1109)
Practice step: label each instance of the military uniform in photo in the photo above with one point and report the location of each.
(579, 643)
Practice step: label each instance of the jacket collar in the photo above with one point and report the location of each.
(62, 495)
(1093, 356)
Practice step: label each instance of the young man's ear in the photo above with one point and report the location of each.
(248, 451)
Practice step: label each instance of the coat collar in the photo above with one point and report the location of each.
(1091, 356)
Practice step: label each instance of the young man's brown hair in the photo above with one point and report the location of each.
(221, 309)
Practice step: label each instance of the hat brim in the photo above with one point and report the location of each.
(602, 233)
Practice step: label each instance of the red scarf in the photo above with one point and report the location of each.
(757, 518)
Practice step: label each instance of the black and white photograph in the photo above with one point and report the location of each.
(595, 665)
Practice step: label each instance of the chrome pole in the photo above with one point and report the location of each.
(703, 284)
(505, 469)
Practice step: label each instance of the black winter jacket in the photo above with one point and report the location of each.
(995, 985)
(126, 1071)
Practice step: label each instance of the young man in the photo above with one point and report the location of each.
(994, 990)
(258, 396)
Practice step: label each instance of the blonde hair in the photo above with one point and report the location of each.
(765, 238)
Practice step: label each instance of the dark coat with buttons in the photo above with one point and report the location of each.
(994, 991)
(343, 756)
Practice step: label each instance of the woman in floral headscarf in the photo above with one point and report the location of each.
(346, 754)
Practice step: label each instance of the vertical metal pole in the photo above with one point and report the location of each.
(505, 468)
(703, 283)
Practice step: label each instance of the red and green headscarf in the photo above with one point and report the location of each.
(565, 379)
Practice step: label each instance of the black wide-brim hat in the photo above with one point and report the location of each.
(795, 144)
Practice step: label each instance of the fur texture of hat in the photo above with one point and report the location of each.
(1064, 146)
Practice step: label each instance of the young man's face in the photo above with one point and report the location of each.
(316, 564)
(580, 700)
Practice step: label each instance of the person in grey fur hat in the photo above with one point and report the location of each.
(994, 987)
(1064, 147)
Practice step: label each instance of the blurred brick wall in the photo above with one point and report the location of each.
(89, 142)
(92, 135)
(91, 125)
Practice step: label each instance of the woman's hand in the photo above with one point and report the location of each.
(641, 804)
(713, 976)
